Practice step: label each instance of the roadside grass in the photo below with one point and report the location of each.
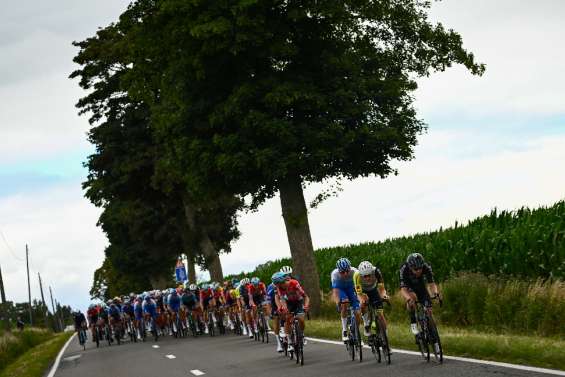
(35, 361)
(14, 344)
(516, 349)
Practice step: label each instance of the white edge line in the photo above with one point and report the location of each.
(465, 359)
(58, 359)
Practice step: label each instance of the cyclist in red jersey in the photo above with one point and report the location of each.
(290, 298)
(208, 303)
(257, 292)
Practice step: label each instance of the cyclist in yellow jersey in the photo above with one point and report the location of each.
(369, 285)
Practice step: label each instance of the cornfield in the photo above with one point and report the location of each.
(526, 244)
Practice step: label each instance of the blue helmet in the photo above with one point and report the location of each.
(255, 280)
(343, 265)
(278, 277)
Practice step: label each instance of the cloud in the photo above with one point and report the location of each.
(518, 41)
(58, 224)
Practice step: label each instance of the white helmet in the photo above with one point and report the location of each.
(286, 270)
(366, 268)
(193, 287)
(244, 281)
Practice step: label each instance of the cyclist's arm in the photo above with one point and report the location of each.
(403, 286)
(335, 295)
(432, 286)
(380, 283)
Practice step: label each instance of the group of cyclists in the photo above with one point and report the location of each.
(243, 305)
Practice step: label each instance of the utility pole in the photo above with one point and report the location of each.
(28, 286)
(61, 315)
(4, 305)
(54, 312)
(43, 300)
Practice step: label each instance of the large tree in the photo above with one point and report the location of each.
(267, 96)
(145, 220)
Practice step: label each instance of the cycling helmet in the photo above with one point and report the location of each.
(234, 282)
(91, 306)
(255, 281)
(415, 261)
(366, 268)
(109, 302)
(205, 286)
(172, 290)
(193, 287)
(244, 281)
(278, 277)
(147, 297)
(287, 270)
(343, 265)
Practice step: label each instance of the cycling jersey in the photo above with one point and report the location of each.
(138, 310)
(292, 292)
(79, 319)
(366, 285)
(206, 294)
(343, 281)
(150, 307)
(128, 309)
(218, 292)
(346, 285)
(409, 280)
(174, 302)
(257, 291)
(189, 299)
(114, 312)
(92, 315)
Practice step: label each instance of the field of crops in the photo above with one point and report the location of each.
(529, 244)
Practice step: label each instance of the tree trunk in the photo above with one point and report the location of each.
(191, 267)
(295, 217)
(206, 246)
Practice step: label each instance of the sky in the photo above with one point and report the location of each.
(492, 141)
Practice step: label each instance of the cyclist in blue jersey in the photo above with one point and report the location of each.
(173, 305)
(271, 293)
(343, 291)
(149, 307)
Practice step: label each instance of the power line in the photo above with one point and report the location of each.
(9, 248)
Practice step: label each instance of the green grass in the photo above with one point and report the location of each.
(516, 349)
(14, 344)
(35, 361)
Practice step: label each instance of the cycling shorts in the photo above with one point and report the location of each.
(422, 294)
(295, 307)
(348, 293)
(374, 298)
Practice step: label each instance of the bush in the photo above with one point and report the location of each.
(12, 345)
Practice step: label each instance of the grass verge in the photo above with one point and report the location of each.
(515, 349)
(14, 344)
(35, 362)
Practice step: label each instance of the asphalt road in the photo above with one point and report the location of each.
(240, 357)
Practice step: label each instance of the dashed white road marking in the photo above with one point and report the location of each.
(197, 372)
(72, 358)
(155, 346)
(170, 356)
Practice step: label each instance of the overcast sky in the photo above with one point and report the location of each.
(493, 141)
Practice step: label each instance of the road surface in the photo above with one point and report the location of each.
(238, 356)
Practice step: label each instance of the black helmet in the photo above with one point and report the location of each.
(415, 261)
